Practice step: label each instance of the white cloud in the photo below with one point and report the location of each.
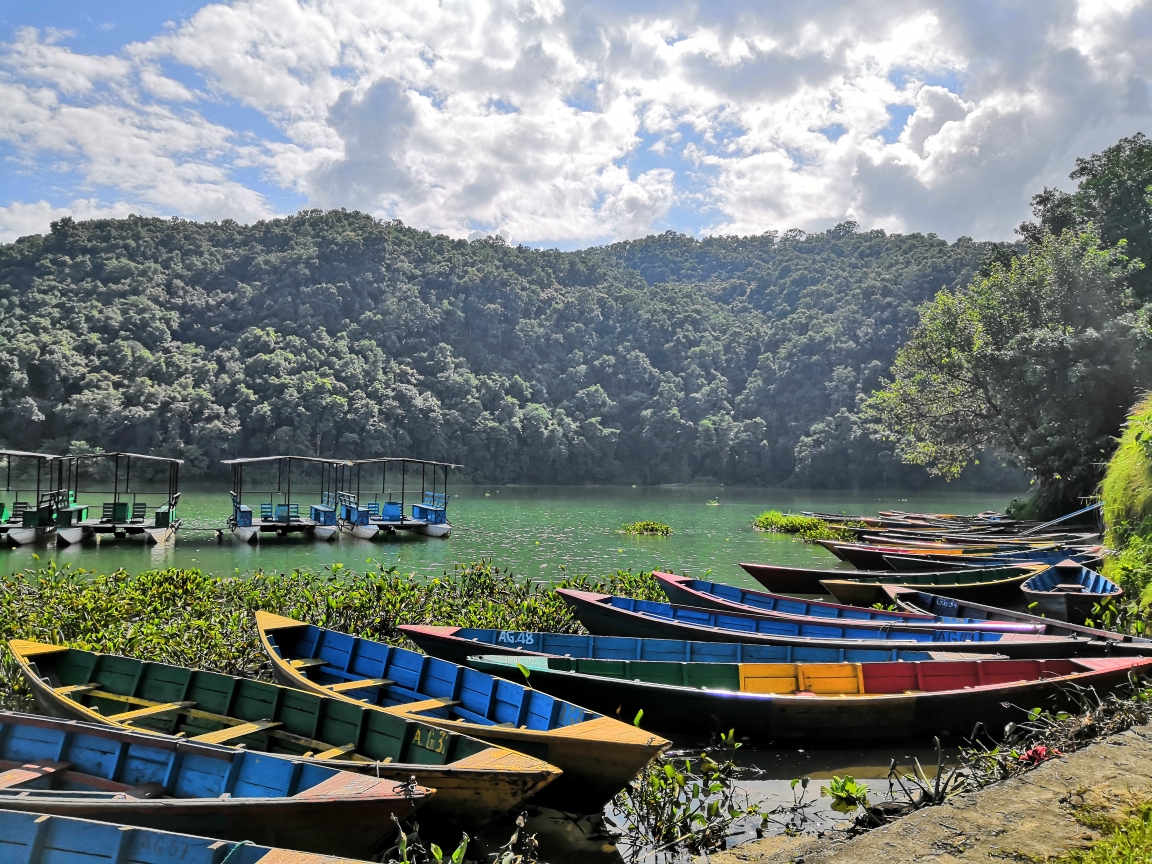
(581, 122)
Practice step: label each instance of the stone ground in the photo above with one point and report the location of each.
(1028, 818)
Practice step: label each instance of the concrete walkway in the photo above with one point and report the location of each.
(1029, 817)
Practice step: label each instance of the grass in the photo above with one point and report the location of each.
(1127, 841)
(1127, 495)
(648, 529)
(188, 618)
(808, 528)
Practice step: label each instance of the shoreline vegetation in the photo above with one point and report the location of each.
(809, 528)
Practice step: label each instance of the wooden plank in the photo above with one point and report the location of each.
(31, 649)
(33, 771)
(335, 752)
(75, 689)
(361, 684)
(231, 733)
(307, 663)
(425, 705)
(150, 711)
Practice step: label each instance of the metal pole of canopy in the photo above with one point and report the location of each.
(288, 496)
(38, 463)
(423, 479)
(403, 477)
(115, 483)
(357, 481)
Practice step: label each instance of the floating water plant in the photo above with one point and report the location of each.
(647, 529)
(808, 528)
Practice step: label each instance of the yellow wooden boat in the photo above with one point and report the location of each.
(476, 781)
(599, 755)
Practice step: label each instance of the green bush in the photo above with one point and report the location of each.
(648, 528)
(1127, 495)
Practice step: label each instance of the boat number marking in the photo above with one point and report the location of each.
(435, 740)
(519, 638)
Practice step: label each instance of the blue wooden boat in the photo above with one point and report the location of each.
(1107, 642)
(685, 591)
(457, 644)
(38, 838)
(598, 755)
(1068, 591)
(68, 768)
(1088, 555)
(807, 580)
(605, 615)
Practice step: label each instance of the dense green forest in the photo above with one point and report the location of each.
(666, 359)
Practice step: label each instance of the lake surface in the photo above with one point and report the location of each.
(534, 530)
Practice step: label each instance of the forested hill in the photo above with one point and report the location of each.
(657, 360)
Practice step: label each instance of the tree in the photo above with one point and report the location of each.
(1040, 359)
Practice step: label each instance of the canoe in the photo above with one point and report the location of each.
(685, 591)
(1090, 556)
(37, 838)
(822, 702)
(457, 644)
(866, 556)
(605, 615)
(69, 768)
(913, 600)
(805, 580)
(981, 585)
(1068, 591)
(475, 781)
(598, 755)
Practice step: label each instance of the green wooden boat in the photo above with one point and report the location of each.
(984, 586)
(475, 781)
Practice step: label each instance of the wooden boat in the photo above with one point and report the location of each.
(914, 600)
(457, 644)
(981, 585)
(685, 591)
(68, 768)
(598, 755)
(866, 556)
(1068, 591)
(475, 782)
(1090, 556)
(605, 615)
(821, 702)
(38, 838)
(805, 580)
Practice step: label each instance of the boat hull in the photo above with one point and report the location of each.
(602, 619)
(162, 535)
(598, 756)
(867, 592)
(75, 534)
(30, 536)
(247, 533)
(471, 792)
(346, 814)
(364, 532)
(442, 529)
(811, 718)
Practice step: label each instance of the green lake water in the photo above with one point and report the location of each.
(534, 530)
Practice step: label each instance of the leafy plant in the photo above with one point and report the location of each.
(647, 528)
(810, 528)
(846, 793)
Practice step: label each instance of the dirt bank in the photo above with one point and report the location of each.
(1029, 817)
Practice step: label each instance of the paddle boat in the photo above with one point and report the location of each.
(914, 600)
(38, 838)
(605, 615)
(88, 771)
(696, 593)
(598, 755)
(475, 781)
(982, 585)
(457, 644)
(1069, 591)
(25, 523)
(820, 702)
(280, 514)
(126, 514)
(373, 517)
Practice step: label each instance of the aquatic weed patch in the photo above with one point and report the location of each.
(188, 618)
(647, 528)
(810, 528)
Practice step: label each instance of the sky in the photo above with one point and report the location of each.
(565, 124)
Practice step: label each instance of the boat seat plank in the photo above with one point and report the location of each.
(307, 663)
(335, 752)
(359, 684)
(33, 771)
(231, 733)
(150, 711)
(425, 705)
(75, 689)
